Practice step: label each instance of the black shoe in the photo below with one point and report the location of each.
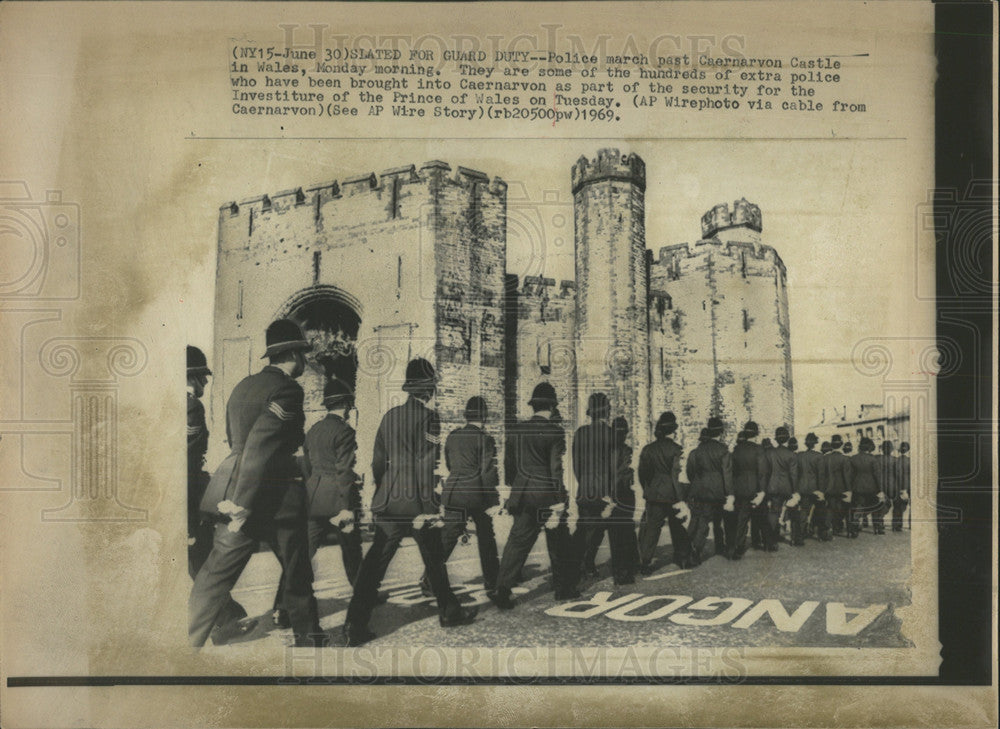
(571, 594)
(223, 634)
(501, 598)
(590, 572)
(355, 636)
(280, 619)
(381, 597)
(646, 568)
(463, 616)
(625, 580)
(425, 587)
(313, 640)
(772, 548)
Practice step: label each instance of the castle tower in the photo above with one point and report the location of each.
(719, 329)
(377, 269)
(611, 320)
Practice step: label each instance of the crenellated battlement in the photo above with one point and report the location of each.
(545, 288)
(732, 249)
(720, 218)
(609, 164)
(366, 183)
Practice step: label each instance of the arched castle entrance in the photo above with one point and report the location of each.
(330, 319)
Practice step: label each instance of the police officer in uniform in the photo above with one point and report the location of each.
(820, 521)
(230, 623)
(749, 480)
(890, 482)
(782, 489)
(470, 491)
(903, 476)
(594, 467)
(533, 468)
(659, 476)
(710, 473)
(866, 478)
(333, 489)
(257, 492)
(809, 484)
(404, 465)
(838, 486)
(623, 514)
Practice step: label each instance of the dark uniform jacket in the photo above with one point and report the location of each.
(264, 422)
(710, 471)
(197, 439)
(903, 467)
(405, 460)
(810, 462)
(749, 470)
(837, 473)
(332, 486)
(594, 462)
(533, 464)
(889, 475)
(866, 474)
(784, 472)
(470, 454)
(660, 470)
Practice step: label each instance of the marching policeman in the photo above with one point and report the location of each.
(470, 491)
(229, 624)
(749, 481)
(866, 478)
(659, 476)
(257, 492)
(333, 489)
(594, 467)
(533, 469)
(809, 485)
(404, 465)
(782, 489)
(820, 521)
(890, 484)
(623, 514)
(710, 473)
(837, 473)
(903, 474)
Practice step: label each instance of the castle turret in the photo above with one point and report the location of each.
(611, 323)
(719, 330)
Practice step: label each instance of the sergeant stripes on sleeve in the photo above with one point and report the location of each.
(279, 411)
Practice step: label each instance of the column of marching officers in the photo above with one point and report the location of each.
(260, 492)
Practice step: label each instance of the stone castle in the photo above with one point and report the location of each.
(412, 262)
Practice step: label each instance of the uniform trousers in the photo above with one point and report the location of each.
(230, 553)
(737, 525)
(821, 518)
(350, 551)
(652, 525)
(388, 534)
(702, 514)
(590, 530)
(523, 533)
(772, 534)
(454, 526)
(868, 505)
(898, 509)
(758, 525)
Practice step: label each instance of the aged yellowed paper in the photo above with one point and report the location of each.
(716, 210)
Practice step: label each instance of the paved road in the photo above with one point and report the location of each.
(841, 593)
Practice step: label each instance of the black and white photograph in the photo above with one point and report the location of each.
(544, 364)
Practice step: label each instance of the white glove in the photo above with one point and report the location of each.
(758, 499)
(494, 511)
(236, 513)
(819, 496)
(683, 513)
(608, 508)
(793, 502)
(427, 520)
(553, 521)
(904, 495)
(730, 504)
(439, 489)
(572, 517)
(847, 497)
(344, 521)
(881, 497)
